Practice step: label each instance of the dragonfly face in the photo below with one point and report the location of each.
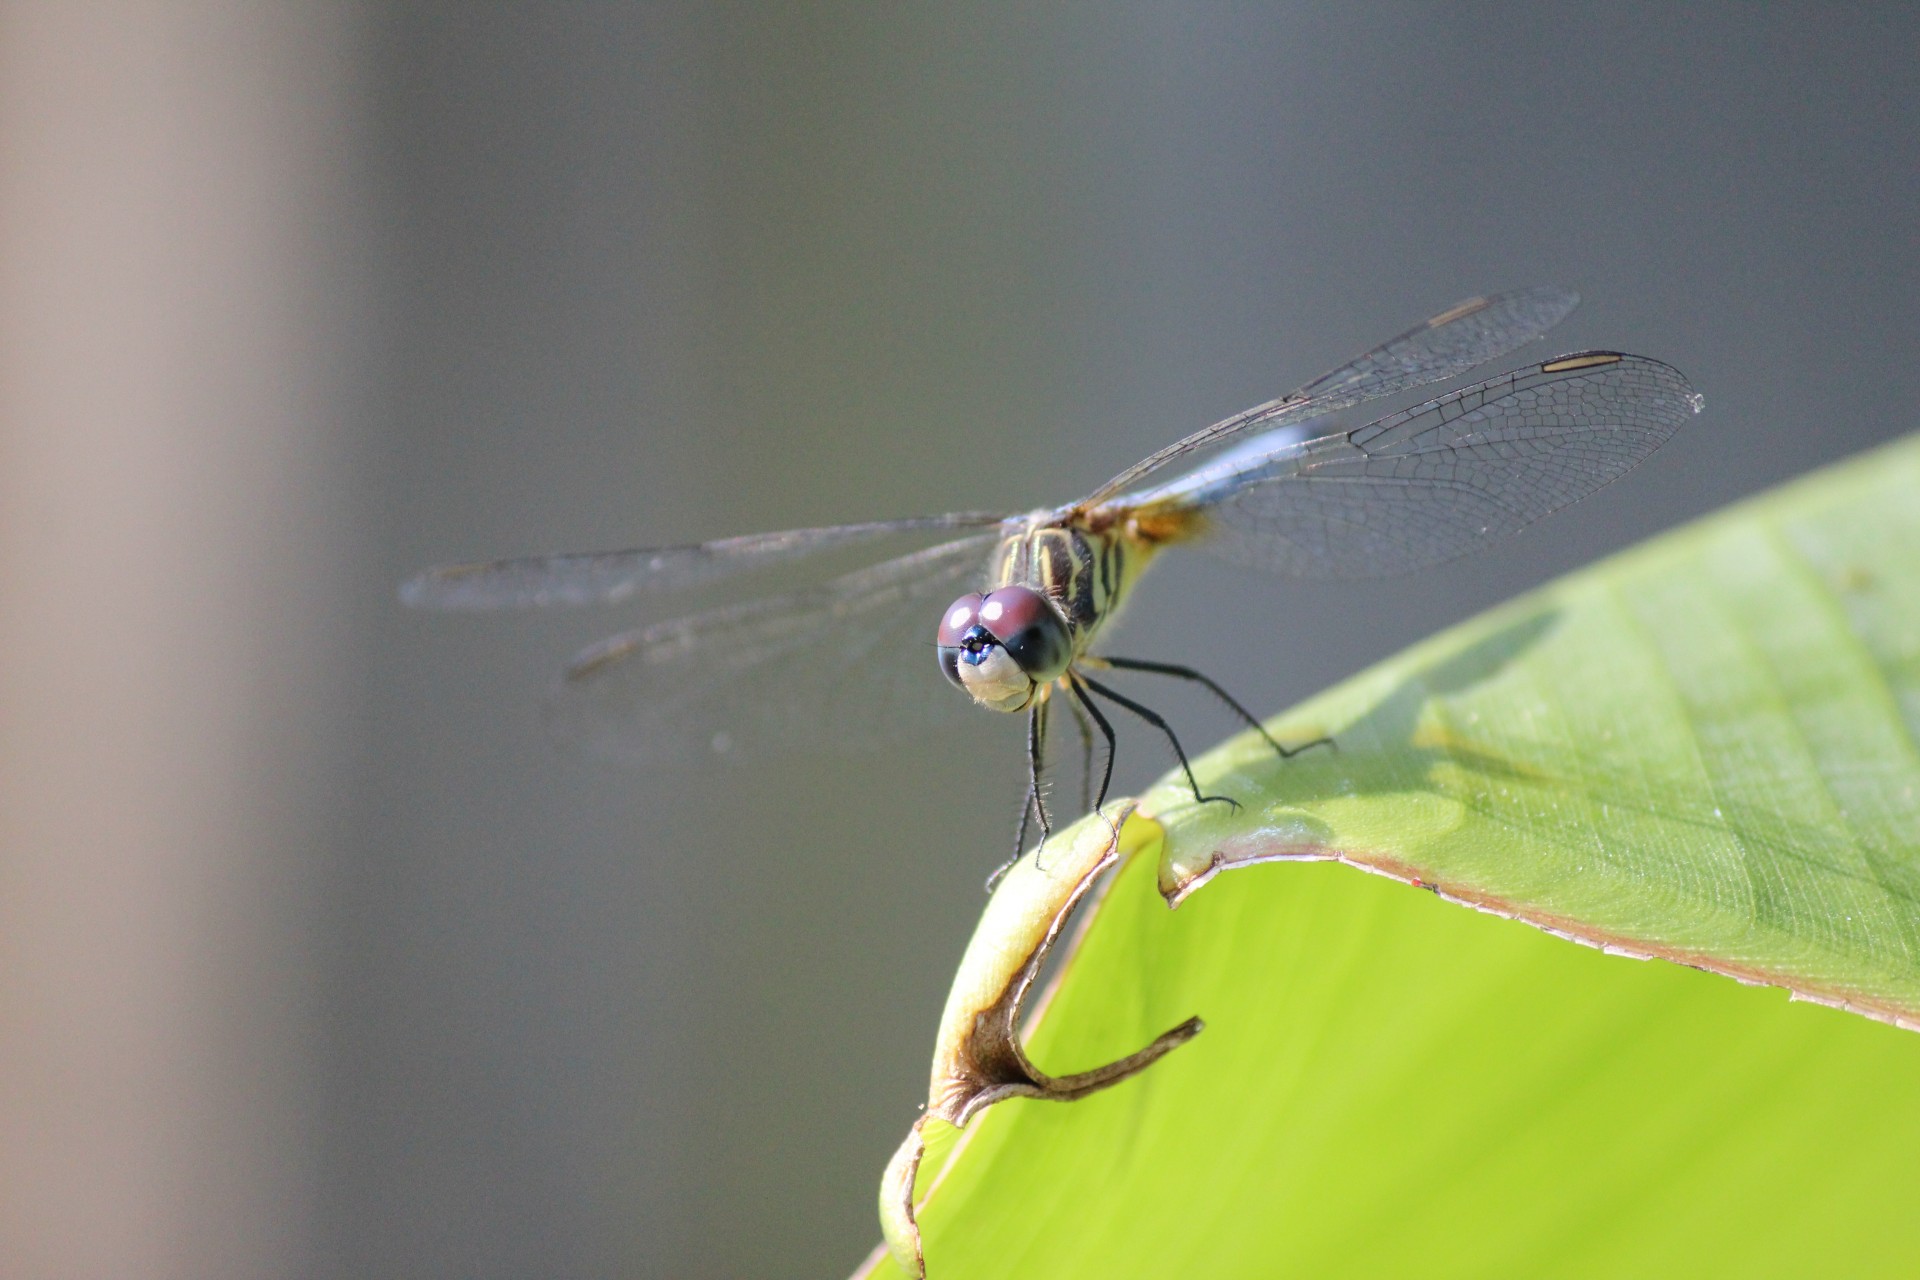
(1005, 647)
(1280, 486)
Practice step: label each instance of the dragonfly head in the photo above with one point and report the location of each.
(1003, 646)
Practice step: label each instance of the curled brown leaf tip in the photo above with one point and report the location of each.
(978, 1058)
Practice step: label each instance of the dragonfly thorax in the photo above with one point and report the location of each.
(1005, 646)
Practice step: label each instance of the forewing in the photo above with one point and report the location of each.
(1461, 338)
(607, 577)
(1424, 486)
(848, 662)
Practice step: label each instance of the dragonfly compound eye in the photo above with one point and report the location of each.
(1031, 629)
(961, 617)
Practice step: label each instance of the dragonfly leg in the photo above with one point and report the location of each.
(1035, 804)
(1077, 683)
(1188, 673)
(1086, 755)
(1074, 682)
(1159, 722)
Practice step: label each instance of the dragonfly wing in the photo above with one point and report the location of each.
(612, 576)
(849, 661)
(1461, 338)
(1424, 486)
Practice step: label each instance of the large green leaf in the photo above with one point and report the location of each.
(1704, 749)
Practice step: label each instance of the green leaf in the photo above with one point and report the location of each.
(1704, 749)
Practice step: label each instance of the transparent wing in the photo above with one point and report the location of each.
(849, 661)
(607, 577)
(1460, 338)
(1424, 486)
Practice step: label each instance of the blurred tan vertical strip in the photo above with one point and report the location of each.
(174, 182)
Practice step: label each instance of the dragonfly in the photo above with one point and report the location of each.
(1280, 486)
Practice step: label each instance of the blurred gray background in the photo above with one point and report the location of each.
(316, 957)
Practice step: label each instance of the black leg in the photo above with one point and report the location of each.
(1153, 718)
(1188, 673)
(1036, 763)
(1076, 683)
(1086, 755)
(1036, 803)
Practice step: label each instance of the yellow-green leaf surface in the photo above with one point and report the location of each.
(1704, 749)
